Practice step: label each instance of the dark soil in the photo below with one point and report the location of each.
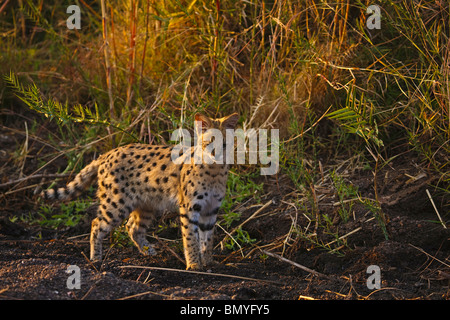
(414, 260)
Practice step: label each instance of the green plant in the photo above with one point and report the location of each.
(239, 188)
(120, 237)
(230, 217)
(241, 237)
(64, 116)
(376, 210)
(69, 215)
(347, 195)
(357, 117)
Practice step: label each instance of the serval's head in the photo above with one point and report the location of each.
(212, 132)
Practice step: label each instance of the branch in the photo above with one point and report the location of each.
(297, 265)
(36, 176)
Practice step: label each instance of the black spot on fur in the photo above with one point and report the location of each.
(109, 214)
(55, 193)
(206, 227)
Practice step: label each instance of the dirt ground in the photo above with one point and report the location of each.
(414, 261)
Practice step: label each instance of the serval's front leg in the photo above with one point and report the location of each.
(191, 242)
(206, 225)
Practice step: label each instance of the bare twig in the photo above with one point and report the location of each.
(90, 290)
(221, 244)
(273, 255)
(4, 290)
(429, 255)
(1, 10)
(36, 176)
(302, 297)
(169, 249)
(292, 227)
(90, 262)
(435, 209)
(344, 236)
(147, 293)
(202, 273)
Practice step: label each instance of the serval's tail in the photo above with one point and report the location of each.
(75, 188)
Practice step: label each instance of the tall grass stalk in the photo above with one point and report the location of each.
(106, 51)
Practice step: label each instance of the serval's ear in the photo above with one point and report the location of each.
(230, 121)
(204, 121)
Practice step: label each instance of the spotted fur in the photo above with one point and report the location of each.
(138, 181)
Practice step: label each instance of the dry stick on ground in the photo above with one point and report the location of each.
(150, 292)
(429, 255)
(36, 176)
(202, 273)
(169, 249)
(435, 209)
(273, 255)
(89, 261)
(292, 227)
